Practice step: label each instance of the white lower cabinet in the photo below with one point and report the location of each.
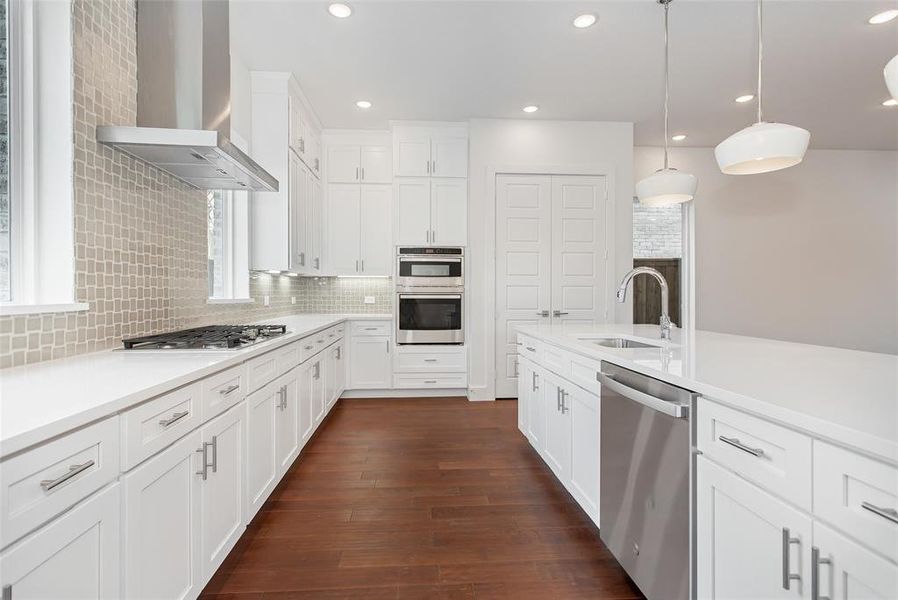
(75, 556)
(286, 432)
(370, 366)
(318, 390)
(261, 450)
(585, 444)
(526, 388)
(536, 422)
(751, 544)
(847, 571)
(161, 511)
(557, 442)
(306, 410)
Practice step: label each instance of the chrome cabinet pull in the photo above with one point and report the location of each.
(816, 561)
(307, 347)
(433, 236)
(302, 259)
(204, 471)
(174, 418)
(427, 167)
(557, 399)
(215, 454)
(371, 328)
(317, 263)
(531, 348)
(788, 576)
(734, 442)
(564, 407)
(388, 346)
(339, 353)
(363, 173)
(430, 360)
(317, 370)
(430, 381)
(886, 513)
(229, 389)
(534, 385)
(49, 484)
(356, 266)
(356, 173)
(542, 313)
(558, 313)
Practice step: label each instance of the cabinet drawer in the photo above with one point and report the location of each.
(333, 334)
(529, 348)
(858, 495)
(41, 483)
(556, 360)
(437, 380)
(370, 328)
(583, 373)
(415, 360)
(223, 390)
(308, 347)
(262, 369)
(150, 427)
(287, 358)
(772, 456)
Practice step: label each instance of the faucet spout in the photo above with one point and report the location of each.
(665, 295)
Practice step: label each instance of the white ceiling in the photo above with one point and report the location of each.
(453, 60)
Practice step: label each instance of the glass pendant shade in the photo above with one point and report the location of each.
(666, 187)
(891, 75)
(762, 148)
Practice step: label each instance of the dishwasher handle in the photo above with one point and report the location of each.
(678, 411)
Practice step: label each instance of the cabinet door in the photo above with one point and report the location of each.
(853, 572)
(740, 540)
(557, 446)
(162, 524)
(75, 556)
(298, 214)
(526, 383)
(313, 155)
(376, 164)
(449, 220)
(344, 223)
(341, 368)
(222, 493)
(306, 403)
(315, 223)
(412, 211)
(536, 419)
(449, 157)
(261, 465)
(376, 230)
(369, 363)
(411, 157)
(318, 389)
(286, 430)
(584, 472)
(343, 163)
(297, 126)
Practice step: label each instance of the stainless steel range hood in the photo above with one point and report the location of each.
(184, 98)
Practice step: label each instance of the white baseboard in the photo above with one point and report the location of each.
(404, 393)
(480, 393)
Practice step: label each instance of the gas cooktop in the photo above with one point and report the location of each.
(212, 337)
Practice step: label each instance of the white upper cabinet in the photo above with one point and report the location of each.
(411, 156)
(344, 224)
(412, 211)
(449, 157)
(448, 212)
(285, 229)
(354, 163)
(376, 235)
(376, 164)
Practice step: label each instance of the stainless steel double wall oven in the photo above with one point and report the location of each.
(430, 295)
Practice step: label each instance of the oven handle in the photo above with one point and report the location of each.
(431, 296)
(415, 258)
(678, 411)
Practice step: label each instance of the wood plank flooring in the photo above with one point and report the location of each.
(420, 498)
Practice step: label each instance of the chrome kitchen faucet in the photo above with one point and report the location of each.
(665, 296)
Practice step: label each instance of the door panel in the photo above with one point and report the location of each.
(260, 455)
(449, 157)
(376, 167)
(412, 211)
(585, 432)
(376, 230)
(557, 444)
(854, 572)
(287, 421)
(449, 220)
(578, 250)
(523, 261)
(412, 157)
(343, 164)
(344, 224)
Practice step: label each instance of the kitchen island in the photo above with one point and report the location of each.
(795, 472)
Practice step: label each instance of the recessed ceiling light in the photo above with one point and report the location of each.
(745, 98)
(530, 108)
(339, 10)
(679, 137)
(584, 21)
(883, 17)
(890, 102)
(363, 104)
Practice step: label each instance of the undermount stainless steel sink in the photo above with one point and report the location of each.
(617, 342)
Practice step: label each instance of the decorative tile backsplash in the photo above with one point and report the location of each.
(140, 235)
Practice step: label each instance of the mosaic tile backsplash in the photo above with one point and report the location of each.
(140, 235)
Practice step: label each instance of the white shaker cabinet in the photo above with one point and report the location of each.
(557, 441)
(583, 415)
(286, 430)
(411, 155)
(449, 156)
(261, 450)
(75, 556)
(370, 364)
(318, 390)
(526, 390)
(448, 212)
(412, 211)
(355, 163)
(843, 569)
(360, 233)
(162, 522)
(762, 546)
(421, 152)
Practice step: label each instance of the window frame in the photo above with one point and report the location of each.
(40, 121)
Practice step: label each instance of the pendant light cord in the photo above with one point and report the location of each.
(760, 58)
(666, 82)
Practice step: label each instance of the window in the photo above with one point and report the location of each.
(227, 234)
(36, 158)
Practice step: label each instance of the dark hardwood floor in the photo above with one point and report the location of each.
(420, 498)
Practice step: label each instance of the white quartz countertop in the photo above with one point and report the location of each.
(847, 396)
(43, 400)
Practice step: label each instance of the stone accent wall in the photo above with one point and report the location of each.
(140, 235)
(657, 231)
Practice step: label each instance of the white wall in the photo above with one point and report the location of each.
(564, 145)
(808, 254)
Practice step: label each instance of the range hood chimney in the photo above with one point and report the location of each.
(184, 98)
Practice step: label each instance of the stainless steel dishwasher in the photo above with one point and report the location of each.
(645, 480)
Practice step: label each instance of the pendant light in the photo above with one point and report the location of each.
(762, 147)
(666, 186)
(891, 75)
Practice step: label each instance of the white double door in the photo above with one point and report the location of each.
(551, 259)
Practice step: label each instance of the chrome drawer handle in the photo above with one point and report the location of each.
(734, 442)
(788, 576)
(430, 381)
(307, 347)
(320, 341)
(531, 348)
(49, 484)
(816, 561)
(430, 360)
(371, 328)
(174, 418)
(229, 389)
(535, 385)
(886, 513)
